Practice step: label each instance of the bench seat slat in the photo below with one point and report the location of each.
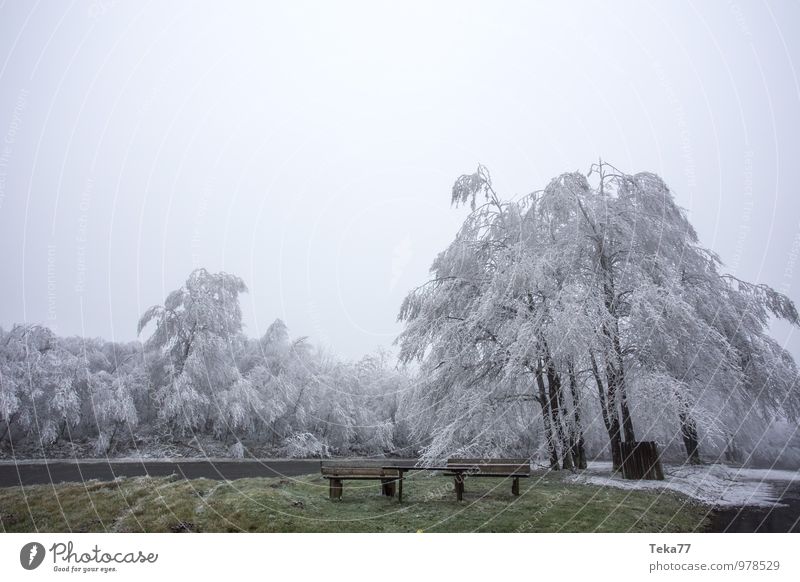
(491, 467)
(483, 474)
(359, 473)
(467, 461)
(479, 469)
(357, 478)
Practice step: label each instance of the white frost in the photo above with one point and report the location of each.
(716, 484)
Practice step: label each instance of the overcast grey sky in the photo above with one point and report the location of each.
(310, 148)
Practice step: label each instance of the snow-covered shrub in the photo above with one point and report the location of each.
(305, 445)
(236, 450)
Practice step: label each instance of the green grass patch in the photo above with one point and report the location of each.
(143, 504)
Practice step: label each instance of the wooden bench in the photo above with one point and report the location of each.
(336, 473)
(460, 469)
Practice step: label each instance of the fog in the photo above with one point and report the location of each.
(310, 148)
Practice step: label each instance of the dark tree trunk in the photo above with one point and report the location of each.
(690, 440)
(615, 365)
(8, 423)
(544, 401)
(641, 461)
(732, 451)
(110, 446)
(554, 388)
(616, 439)
(627, 420)
(617, 393)
(610, 417)
(577, 445)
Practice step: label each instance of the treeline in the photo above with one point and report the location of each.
(196, 376)
(555, 326)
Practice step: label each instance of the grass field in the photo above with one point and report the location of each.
(145, 504)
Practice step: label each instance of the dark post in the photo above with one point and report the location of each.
(335, 488)
(641, 460)
(387, 487)
(458, 480)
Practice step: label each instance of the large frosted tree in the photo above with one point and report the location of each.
(38, 385)
(600, 280)
(198, 327)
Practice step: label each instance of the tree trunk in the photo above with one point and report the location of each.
(617, 393)
(7, 430)
(610, 417)
(731, 450)
(627, 420)
(554, 388)
(615, 366)
(690, 440)
(544, 401)
(577, 445)
(110, 446)
(642, 461)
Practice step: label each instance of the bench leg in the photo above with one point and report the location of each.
(387, 487)
(335, 488)
(458, 481)
(515, 486)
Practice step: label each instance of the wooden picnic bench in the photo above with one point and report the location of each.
(337, 472)
(391, 475)
(460, 469)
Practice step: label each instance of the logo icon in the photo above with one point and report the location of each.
(31, 555)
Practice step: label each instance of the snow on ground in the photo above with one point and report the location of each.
(714, 484)
(767, 474)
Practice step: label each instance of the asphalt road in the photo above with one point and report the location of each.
(784, 518)
(12, 475)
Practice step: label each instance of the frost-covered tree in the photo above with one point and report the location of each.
(198, 327)
(37, 384)
(475, 327)
(337, 407)
(597, 279)
(197, 375)
(113, 408)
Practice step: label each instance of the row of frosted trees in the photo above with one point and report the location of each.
(196, 375)
(593, 301)
(561, 323)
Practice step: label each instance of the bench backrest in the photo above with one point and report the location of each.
(493, 466)
(338, 470)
